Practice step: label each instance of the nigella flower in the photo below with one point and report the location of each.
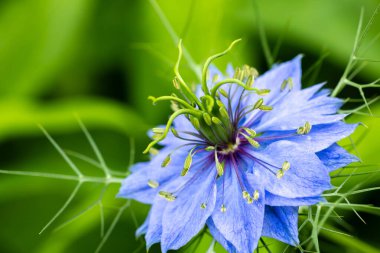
(239, 156)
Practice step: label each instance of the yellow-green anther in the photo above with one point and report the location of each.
(153, 151)
(174, 106)
(219, 166)
(266, 108)
(153, 183)
(300, 130)
(210, 148)
(158, 130)
(216, 121)
(223, 208)
(223, 112)
(223, 93)
(284, 84)
(240, 76)
(246, 195)
(251, 132)
(219, 103)
(307, 127)
(251, 141)
(256, 195)
(174, 132)
(167, 195)
(187, 164)
(290, 82)
(157, 136)
(250, 81)
(237, 73)
(203, 205)
(166, 161)
(280, 174)
(249, 200)
(258, 103)
(195, 122)
(215, 78)
(285, 166)
(176, 84)
(207, 118)
(263, 92)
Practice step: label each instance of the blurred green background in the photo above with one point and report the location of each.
(101, 59)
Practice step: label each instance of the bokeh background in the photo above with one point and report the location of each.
(100, 60)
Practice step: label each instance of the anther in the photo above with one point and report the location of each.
(256, 195)
(210, 148)
(280, 173)
(203, 205)
(250, 81)
(166, 161)
(223, 93)
(246, 195)
(158, 130)
(223, 208)
(167, 195)
(153, 151)
(263, 92)
(187, 164)
(219, 166)
(285, 166)
(249, 200)
(195, 122)
(215, 78)
(266, 108)
(153, 183)
(216, 121)
(176, 83)
(304, 129)
(251, 132)
(258, 103)
(174, 132)
(251, 141)
(207, 118)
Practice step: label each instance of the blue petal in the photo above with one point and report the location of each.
(184, 217)
(275, 200)
(281, 223)
(306, 177)
(219, 237)
(143, 228)
(336, 157)
(320, 137)
(273, 78)
(135, 186)
(298, 107)
(154, 231)
(241, 223)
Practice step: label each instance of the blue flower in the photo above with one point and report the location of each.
(239, 156)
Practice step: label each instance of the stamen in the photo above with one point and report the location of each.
(258, 103)
(153, 151)
(251, 141)
(280, 174)
(187, 164)
(166, 161)
(210, 148)
(203, 205)
(223, 208)
(263, 92)
(153, 183)
(207, 118)
(251, 132)
(266, 108)
(223, 93)
(304, 129)
(219, 166)
(287, 83)
(216, 121)
(167, 195)
(246, 195)
(256, 195)
(285, 166)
